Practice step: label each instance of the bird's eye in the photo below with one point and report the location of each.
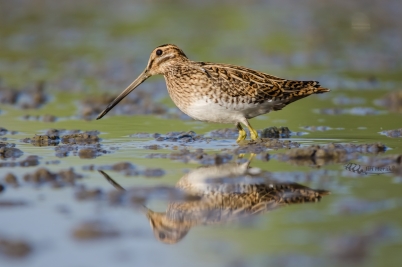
(159, 52)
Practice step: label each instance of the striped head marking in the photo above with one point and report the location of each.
(164, 56)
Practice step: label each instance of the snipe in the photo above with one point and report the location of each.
(220, 93)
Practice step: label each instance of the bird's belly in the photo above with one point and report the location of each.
(213, 112)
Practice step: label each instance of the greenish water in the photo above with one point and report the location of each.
(84, 49)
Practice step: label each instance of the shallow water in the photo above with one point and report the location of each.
(81, 52)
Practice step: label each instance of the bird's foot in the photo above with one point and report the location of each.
(242, 136)
(254, 134)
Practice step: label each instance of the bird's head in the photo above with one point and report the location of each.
(163, 57)
(166, 230)
(159, 62)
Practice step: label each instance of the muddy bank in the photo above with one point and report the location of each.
(9, 151)
(317, 155)
(31, 97)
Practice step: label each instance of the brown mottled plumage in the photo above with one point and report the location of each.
(220, 93)
(226, 192)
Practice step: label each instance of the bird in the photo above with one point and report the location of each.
(220, 93)
(226, 192)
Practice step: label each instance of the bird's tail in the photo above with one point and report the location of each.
(321, 90)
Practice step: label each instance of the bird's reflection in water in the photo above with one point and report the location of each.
(226, 192)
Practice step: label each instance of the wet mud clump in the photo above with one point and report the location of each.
(181, 137)
(392, 101)
(14, 248)
(81, 138)
(42, 140)
(11, 179)
(263, 144)
(86, 144)
(27, 98)
(83, 193)
(44, 118)
(8, 151)
(28, 162)
(197, 156)
(273, 132)
(393, 133)
(94, 230)
(4, 203)
(331, 153)
(53, 137)
(57, 179)
(4, 131)
(83, 151)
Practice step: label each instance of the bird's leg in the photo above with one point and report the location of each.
(253, 133)
(242, 133)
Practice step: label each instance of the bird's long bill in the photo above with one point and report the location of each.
(143, 76)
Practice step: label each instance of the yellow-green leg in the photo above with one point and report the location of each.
(253, 133)
(242, 133)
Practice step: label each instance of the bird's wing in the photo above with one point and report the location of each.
(239, 81)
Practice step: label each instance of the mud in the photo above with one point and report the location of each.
(32, 97)
(4, 203)
(54, 136)
(273, 132)
(4, 131)
(14, 248)
(8, 151)
(181, 137)
(326, 154)
(56, 179)
(263, 144)
(28, 162)
(42, 140)
(94, 230)
(44, 118)
(197, 156)
(82, 193)
(11, 179)
(82, 151)
(393, 133)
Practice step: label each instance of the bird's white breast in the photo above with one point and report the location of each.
(206, 110)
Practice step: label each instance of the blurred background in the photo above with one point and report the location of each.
(80, 40)
(62, 62)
